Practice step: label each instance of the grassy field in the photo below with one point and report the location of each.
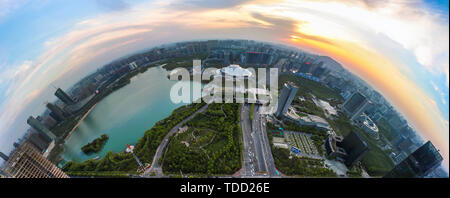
(307, 87)
(303, 167)
(386, 130)
(210, 145)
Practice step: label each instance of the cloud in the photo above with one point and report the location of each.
(206, 4)
(9, 6)
(15, 74)
(199, 5)
(420, 31)
(441, 93)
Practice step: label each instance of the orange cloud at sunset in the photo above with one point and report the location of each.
(385, 77)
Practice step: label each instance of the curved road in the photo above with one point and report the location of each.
(156, 167)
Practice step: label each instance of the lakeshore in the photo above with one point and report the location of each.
(80, 121)
(148, 92)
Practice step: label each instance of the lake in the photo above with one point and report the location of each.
(124, 115)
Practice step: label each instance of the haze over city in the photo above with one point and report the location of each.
(398, 47)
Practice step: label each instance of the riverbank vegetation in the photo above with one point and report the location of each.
(210, 145)
(106, 174)
(96, 145)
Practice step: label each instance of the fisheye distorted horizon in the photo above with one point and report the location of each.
(398, 47)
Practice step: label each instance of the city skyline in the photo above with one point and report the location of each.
(76, 44)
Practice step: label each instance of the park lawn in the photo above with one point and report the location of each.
(307, 87)
(386, 130)
(303, 167)
(214, 144)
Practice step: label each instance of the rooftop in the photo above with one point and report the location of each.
(235, 70)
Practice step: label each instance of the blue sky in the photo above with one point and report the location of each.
(440, 5)
(58, 42)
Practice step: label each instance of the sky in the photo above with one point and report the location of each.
(399, 47)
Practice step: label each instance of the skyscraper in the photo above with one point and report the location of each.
(3, 174)
(38, 126)
(348, 150)
(39, 140)
(26, 162)
(56, 112)
(286, 97)
(226, 58)
(419, 164)
(252, 58)
(3, 156)
(355, 147)
(355, 105)
(64, 97)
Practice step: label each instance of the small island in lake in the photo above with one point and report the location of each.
(96, 145)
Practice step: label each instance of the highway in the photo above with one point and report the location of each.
(248, 167)
(258, 160)
(259, 126)
(156, 167)
(257, 141)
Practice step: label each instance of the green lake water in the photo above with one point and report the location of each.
(124, 115)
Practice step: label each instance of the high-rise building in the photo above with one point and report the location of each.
(355, 147)
(38, 126)
(49, 121)
(132, 65)
(397, 122)
(355, 105)
(377, 116)
(56, 112)
(252, 57)
(64, 97)
(226, 58)
(286, 97)
(419, 164)
(39, 140)
(319, 71)
(3, 156)
(243, 59)
(348, 150)
(406, 146)
(26, 162)
(3, 174)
